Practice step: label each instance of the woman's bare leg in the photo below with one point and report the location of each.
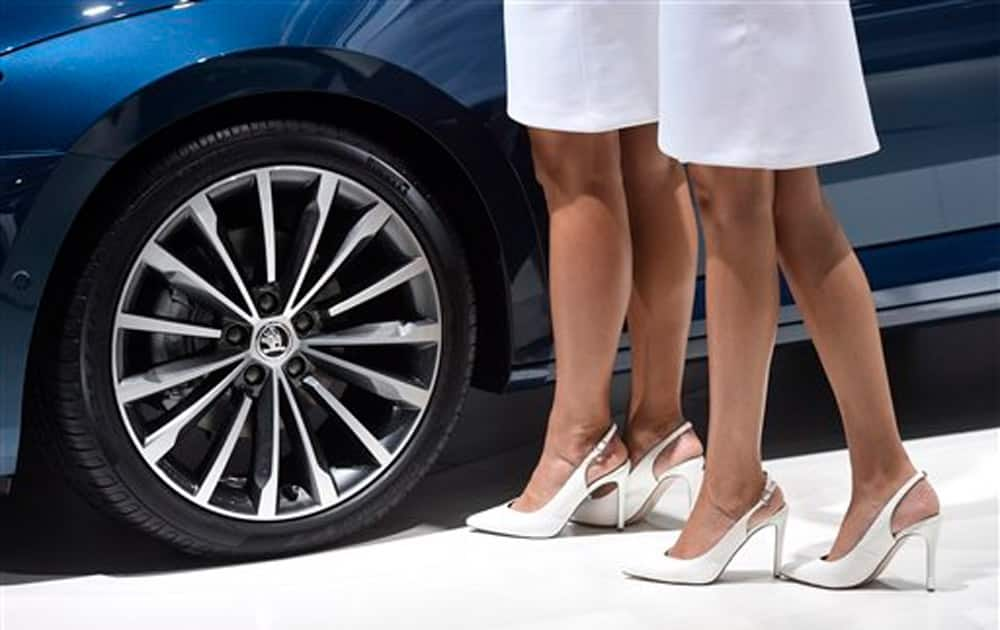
(833, 295)
(664, 265)
(742, 297)
(590, 276)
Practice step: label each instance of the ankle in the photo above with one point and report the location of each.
(656, 417)
(733, 495)
(642, 436)
(645, 428)
(920, 503)
(572, 439)
(881, 480)
(688, 446)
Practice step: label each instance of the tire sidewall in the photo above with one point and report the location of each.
(176, 180)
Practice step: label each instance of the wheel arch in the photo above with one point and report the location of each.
(434, 162)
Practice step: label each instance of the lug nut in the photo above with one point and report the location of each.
(303, 322)
(236, 335)
(254, 375)
(267, 302)
(295, 366)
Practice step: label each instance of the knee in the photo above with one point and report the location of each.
(651, 171)
(807, 232)
(575, 166)
(733, 201)
(810, 245)
(798, 195)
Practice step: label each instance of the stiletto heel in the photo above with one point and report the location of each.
(928, 529)
(643, 489)
(622, 499)
(549, 520)
(707, 567)
(781, 520)
(872, 554)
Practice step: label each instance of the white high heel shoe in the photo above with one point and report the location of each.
(873, 552)
(549, 520)
(707, 567)
(643, 489)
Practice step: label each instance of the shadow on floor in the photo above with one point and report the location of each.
(944, 379)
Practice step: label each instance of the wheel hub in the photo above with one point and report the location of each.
(274, 342)
(280, 403)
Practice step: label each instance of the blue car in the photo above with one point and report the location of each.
(253, 254)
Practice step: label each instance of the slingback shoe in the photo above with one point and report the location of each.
(707, 567)
(873, 552)
(549, 520)
(643, 489)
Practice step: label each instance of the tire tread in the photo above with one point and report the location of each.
(64, 432)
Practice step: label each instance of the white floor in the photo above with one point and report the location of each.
(432, 577)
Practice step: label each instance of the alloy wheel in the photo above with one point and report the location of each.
(276, 343)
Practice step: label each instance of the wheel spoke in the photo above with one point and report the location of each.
(224, 453)
(324, 197)
(383, 385)
(159, 443)
(127, 321)
(170, 375)
(267, 451)
(321, 483)
(370, 442)
(367, 227)
(208, 222)
(183, 276)
(402, 275)
(381, 333)
(201, 418)
(267, 221)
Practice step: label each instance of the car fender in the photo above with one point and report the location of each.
(209, 83)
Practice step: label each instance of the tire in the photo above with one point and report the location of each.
(109, 420)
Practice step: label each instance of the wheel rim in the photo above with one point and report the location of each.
(276, 343)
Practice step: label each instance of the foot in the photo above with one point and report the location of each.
(867, 501)
(560, 457)
(642, 435)
(715, 513)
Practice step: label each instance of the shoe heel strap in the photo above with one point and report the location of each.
(890, 507)
(676, 433)
(652, 454)
(576, 487)
(670, 439)
(881, 527)
(600, 447)
(770, 487)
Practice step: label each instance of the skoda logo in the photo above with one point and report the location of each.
(273, 341)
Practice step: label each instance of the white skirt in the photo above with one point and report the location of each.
(753, 83)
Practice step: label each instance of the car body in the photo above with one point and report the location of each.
(88, 89)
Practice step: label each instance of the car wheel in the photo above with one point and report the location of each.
(268, 347)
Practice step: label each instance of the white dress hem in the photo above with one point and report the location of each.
(751, 160)
(577, 123)
(774, 85)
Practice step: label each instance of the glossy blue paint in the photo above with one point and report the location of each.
(81, 88)
(168, 64)
(914, 261)
(900, 34)
(24, 22)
